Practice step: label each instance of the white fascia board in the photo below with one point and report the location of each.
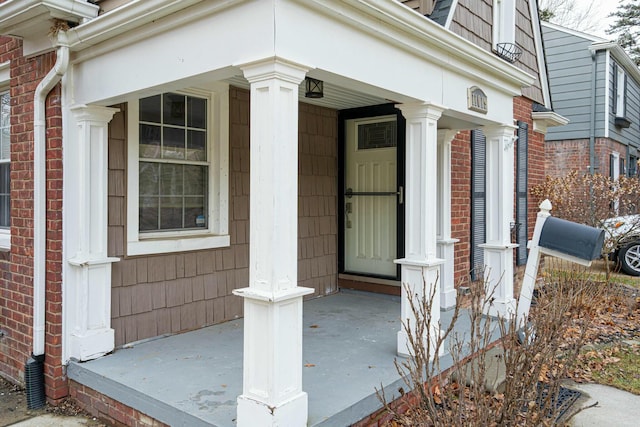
(398, 25)
(539, 45)
(134, 15)
(576, 33)
(621, 57)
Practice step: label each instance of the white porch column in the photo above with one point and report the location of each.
(445, 242)
(87, 303)
(498, 249)
(272, 378)
(420, 266)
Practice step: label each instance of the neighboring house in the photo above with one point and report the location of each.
(594, 84)
(177, 164)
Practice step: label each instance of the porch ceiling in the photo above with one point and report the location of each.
(336, 97)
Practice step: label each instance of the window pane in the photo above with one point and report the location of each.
(195, 180)
(196, 145)
(149, 179)
(5, 190)
(171, 180)
(194, 212)
(173, 143)
(149, 142)
(5, 110)
(5, 147)
(170, 213)
(148, 213)
(5, 206)
(173, 109)
(150, 109)
(197, 113)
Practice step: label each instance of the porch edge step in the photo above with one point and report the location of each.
(132, 398)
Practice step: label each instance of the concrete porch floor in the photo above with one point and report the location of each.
(194, 378)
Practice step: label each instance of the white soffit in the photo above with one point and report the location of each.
(335, 97)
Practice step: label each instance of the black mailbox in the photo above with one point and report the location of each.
(570, 238)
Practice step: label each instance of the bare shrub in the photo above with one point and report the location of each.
(589, 199)
(535, 360)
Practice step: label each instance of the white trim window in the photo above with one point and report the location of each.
(5, 171)
(620, 84)
(504, 22)
(178, 172)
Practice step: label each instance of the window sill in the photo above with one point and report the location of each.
(176, 244)
(622, 122)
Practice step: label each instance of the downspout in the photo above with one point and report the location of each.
(592, 113)
(34, 372)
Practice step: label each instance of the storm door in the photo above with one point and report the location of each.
(371, 196)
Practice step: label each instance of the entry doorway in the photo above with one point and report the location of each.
(371, 192)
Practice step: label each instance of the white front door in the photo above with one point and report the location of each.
(371, 196)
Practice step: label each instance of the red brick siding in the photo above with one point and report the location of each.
(16, 298)
(573, 154)
(109, 410)
(522, 108)
(461, 203)
(461, 185)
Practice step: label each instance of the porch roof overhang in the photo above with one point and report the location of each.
(424, 61)
(31, 20)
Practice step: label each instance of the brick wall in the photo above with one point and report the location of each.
(16, 296)
(461, 185)
(568, 155)
(522, 108)
(109, 410)
(155, 295)
(461, 203)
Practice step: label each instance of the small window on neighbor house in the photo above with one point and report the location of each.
(620, 86)
(5, 161)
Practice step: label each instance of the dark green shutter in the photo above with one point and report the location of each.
(478, 201)
(521, 192)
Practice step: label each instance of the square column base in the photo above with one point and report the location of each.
(92, 344)
(448, 293)
(498, 280)
(419, 279)
(292, 412)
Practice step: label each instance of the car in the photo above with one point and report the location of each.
(623, 241)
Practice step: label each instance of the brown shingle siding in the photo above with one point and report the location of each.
(188, 290)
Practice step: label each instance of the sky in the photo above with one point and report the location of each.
(602, 8)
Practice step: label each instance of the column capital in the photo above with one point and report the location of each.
(412, 110)
(498, 130)
(274, 68)
(95, 113)
(446, 135)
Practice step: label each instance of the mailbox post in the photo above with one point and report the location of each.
(560, 238)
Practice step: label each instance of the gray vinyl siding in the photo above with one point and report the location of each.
(569, 66)
(630, 135)
(602, 74)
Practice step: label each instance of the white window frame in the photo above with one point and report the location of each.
(5, 233)
(216, 235)
(504, 22)
(620, 92)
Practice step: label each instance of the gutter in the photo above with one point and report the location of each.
(34, 372)
(592, 116)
